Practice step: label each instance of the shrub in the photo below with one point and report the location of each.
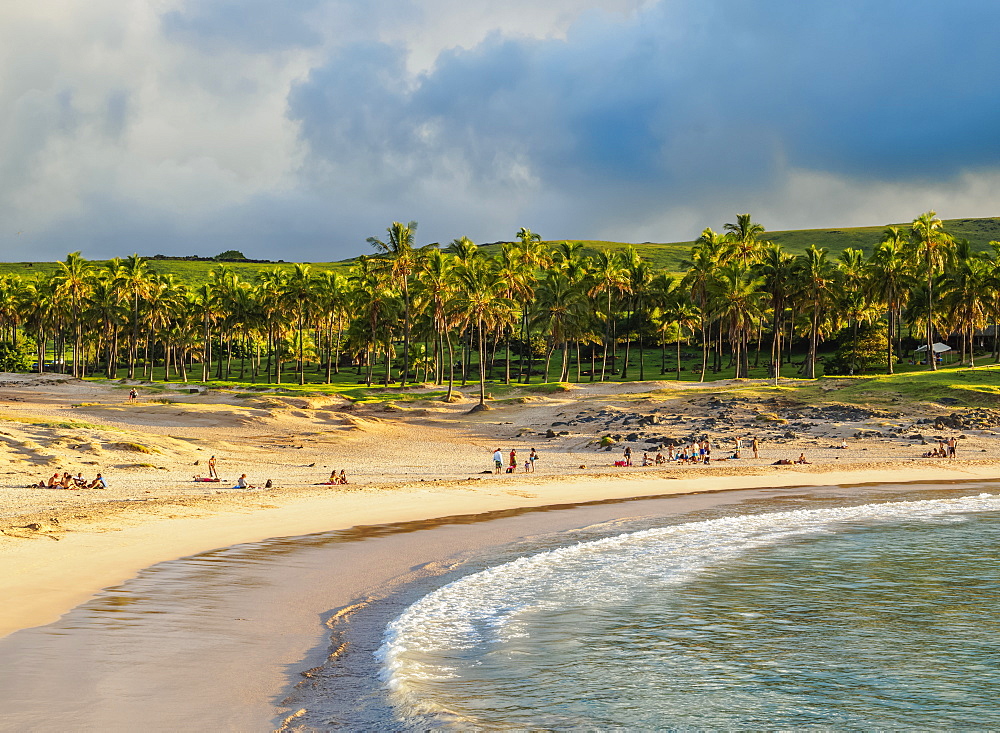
(862, 354)
(18, 355)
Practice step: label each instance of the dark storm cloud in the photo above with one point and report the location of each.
(685, 96)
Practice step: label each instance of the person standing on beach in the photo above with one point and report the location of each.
(952, 446)
(532, 457)
(628, 455)
(212, 473)
(513, 459)
(497, 461)
(754, 446)
(739, 447)
(133, 395)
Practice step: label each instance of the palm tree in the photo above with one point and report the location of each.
(74, 279)
(737, 301)
(135, 278)
(298, 294)
(818, 284)
(890, 277)
(436, 284)
(374, 304)
(608, 277)
(777, 268)
(530, 255)
(966, 290)
(398, 248)
(332, 300)
(706, 259)
(931, 244)
(562, 307)
(743, 239)
(640, 276)
(482, 305)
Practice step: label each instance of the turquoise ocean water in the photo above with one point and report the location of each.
(875, 616)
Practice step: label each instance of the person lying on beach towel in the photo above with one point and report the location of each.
(782, 462)
(206, 479)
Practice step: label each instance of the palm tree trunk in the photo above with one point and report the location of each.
(302, 362)
(704, 351)
(930, 312)
(482, 365)
(451, 366)
(642, 361)
(506, 362)
(813, 340)
(406, 330)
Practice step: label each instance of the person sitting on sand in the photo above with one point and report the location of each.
(343, 477)
(659, 459)
(98, 483)
(801, 458)
(333, 477)
(79, 480)
(66, 482)
(645, 460)
(241, 483)
(53, 481)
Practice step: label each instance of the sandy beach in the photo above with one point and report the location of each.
(406, 461)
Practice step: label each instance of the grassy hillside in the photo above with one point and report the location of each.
(669, 255)
(193, 272)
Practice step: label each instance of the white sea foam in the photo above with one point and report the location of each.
(496, 605)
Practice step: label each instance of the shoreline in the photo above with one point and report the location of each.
(43, 578)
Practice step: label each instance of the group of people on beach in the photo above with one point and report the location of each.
(528, 465)
(943, 449)
(698, 451)
(66, 480)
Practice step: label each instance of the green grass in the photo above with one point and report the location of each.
(191, 272)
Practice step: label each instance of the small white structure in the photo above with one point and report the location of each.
(938, 347)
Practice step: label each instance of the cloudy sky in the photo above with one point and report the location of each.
(295, 130)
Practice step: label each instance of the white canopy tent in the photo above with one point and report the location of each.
(938, 347)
